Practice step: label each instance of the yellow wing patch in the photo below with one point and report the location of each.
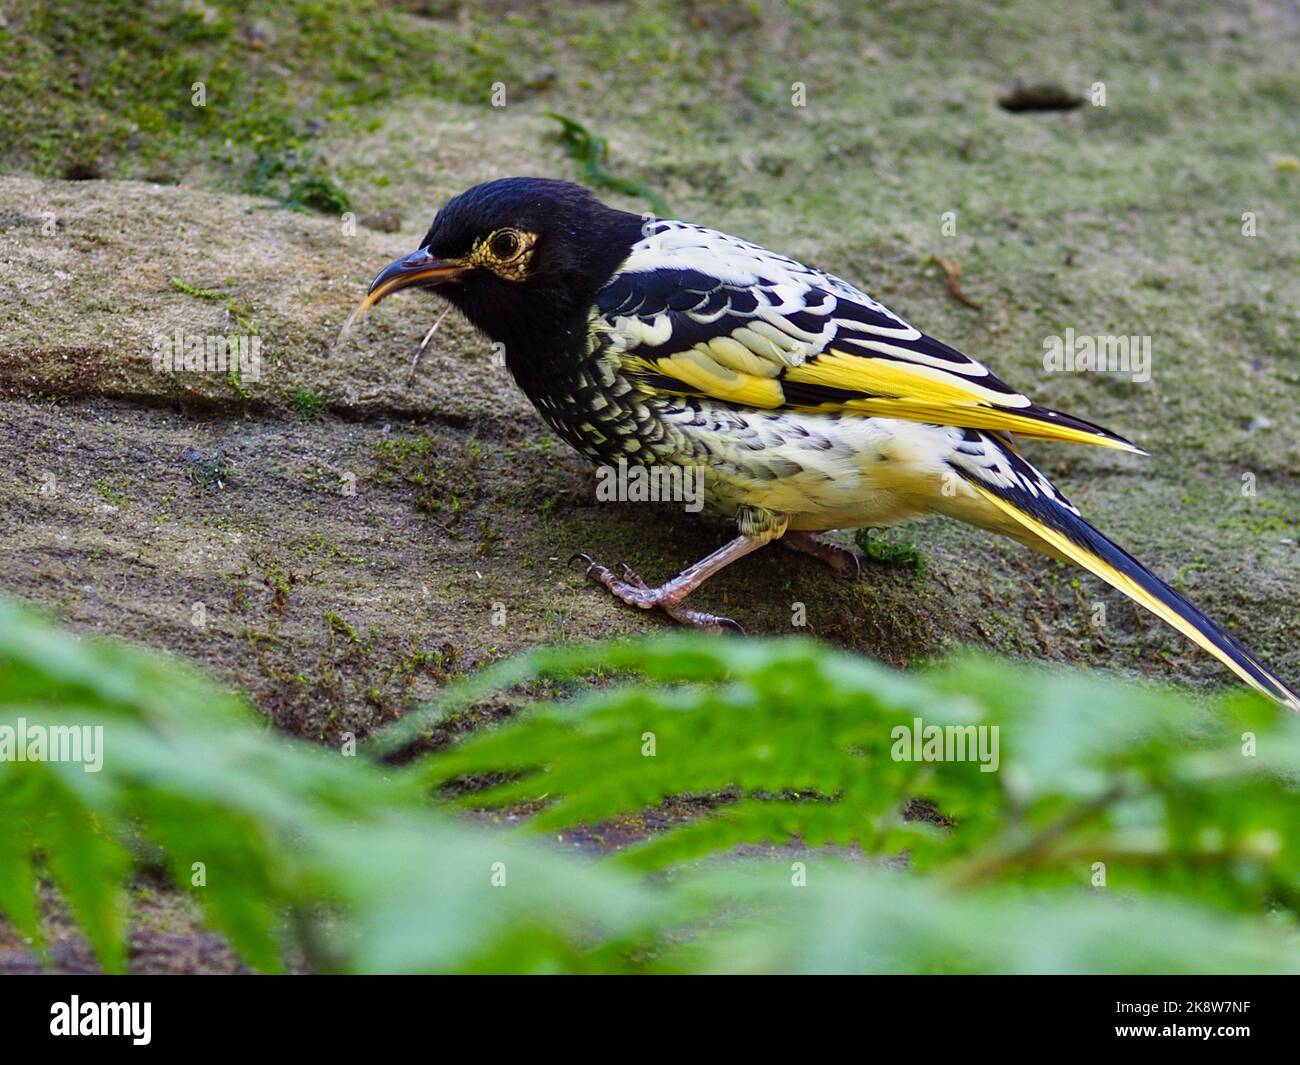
(747, 369)
(703, 374)
(735, 356)
(902, 380)
(972, 416)
(917, 392)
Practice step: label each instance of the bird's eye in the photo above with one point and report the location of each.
(505, 245)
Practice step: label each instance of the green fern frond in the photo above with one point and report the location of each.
(805, 736)
(343, 863)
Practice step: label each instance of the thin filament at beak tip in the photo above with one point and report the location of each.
(358, 313)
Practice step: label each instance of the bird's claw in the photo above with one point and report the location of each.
(631, 589)
(631, 576)
(845, 562)
(699, 619)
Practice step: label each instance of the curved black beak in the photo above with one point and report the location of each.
(419, 268)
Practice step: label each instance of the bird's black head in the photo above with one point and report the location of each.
(523, 258)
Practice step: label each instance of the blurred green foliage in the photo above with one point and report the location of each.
(350, 864)
(1169, 795)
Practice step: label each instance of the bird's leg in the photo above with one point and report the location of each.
(840, 559)
(668, 596)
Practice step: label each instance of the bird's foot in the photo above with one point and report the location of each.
(628, 586)
(843, 561)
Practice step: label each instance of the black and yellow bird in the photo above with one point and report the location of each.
(808, 405)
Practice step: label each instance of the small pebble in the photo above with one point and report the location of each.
(542, 78)
(389, 221)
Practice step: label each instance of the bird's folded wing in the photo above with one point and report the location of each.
(804, 340)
